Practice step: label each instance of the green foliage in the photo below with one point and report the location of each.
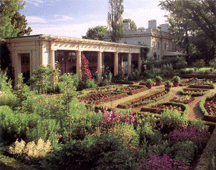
(172, 119)
(14, 125)
(199, 63)
(5, 84)
(184, 150)
(158, 78)
(212, 63)
(176, 78)
(12, 22)
(149, 81)
(134, 75)
(45, 129)
(9, 99)
(96, 33)
(132, 24)
(167, 69)
(40, 78)
(168, 82)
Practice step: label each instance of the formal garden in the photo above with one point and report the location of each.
(60, 122)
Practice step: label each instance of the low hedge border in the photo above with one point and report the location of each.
(186, 111)
(118, 96)
(151, 101)
(207, 155)
(141, 89)
(206, 117)
(210, 86)
(124, 82)
(112, 98)
(127, 104)
(195, 94)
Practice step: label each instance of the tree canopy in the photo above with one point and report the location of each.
(194, 26)
(133, 25)
(13, 24)
(96, 33)
(115, 22)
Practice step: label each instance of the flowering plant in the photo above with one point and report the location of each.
(86, 73)
(156, 162)
(112, 117)
(197, 135)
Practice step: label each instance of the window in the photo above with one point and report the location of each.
(72, 57)
(25, 58)
(165, 46)
(139, 42)
(125, 42)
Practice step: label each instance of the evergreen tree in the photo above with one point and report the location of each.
(13, 24)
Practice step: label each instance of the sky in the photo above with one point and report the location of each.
(73, 18)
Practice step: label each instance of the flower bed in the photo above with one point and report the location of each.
(188, 82)
(132, 89)
(124, 82)
(183, 99)
(208, 107)
(208, 86)
(194, 91)
(102, 97)
(160, 107)
(149, 98)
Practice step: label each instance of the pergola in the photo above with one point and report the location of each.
(41, 49)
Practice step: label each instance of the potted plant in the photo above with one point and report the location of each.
(168, 84)
(176, 80)
(149, 83)
(158, 80)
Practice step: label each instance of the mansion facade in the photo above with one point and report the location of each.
(158, 39)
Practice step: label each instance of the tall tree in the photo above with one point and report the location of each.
(12, 22)
(193, 23)
(115, 22)
(201, 13)
(96, 33)
(133, 25)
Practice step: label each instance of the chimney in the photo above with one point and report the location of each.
(126, 26)
(152, 24)
(164, 27)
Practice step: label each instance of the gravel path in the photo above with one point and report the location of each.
(194, 110)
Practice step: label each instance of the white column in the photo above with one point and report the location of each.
(78, 64)
(129, 63)
(52, 59)
(139, 63)
(16, 63)
(99, 66)
(115, 64)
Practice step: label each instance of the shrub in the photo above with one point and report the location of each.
(158, 78)
(176, 78)
(184, 151)
(172, 119)
(199, 63)
(46, 129)
(197, 135)
(167, 69)
(14, 126)
(86, 73)
(168, 82)
(149, 81)
(162, 162)
(30, 150)
(9, 99)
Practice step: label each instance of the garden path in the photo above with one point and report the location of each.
(194, 110)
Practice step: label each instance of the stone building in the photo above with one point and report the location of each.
(29, 52)
(158, 39)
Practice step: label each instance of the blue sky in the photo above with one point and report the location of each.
(74, 17)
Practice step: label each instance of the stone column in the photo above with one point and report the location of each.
(115, 64)
(52, 59)
(78, 64)
(129, 63)
(139, 63)
(121, 62)
(99, 66)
